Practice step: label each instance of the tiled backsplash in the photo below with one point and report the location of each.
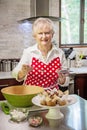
(11, 37)
(14, 37)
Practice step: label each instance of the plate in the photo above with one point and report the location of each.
(54, 111)
(71, 99)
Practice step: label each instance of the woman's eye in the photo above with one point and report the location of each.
(45, 33)
(40, 33)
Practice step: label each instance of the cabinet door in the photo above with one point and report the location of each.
(8, 82)
(81, 85)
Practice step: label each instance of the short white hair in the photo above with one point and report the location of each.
(44, 21)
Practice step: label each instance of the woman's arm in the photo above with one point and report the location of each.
(22, 68)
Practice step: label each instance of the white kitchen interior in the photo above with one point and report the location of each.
(16, 18)
(12, 34)
(15, 35)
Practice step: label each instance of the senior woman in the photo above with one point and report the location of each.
(40, 64)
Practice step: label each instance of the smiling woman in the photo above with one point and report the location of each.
(43, 33)
(40, 63)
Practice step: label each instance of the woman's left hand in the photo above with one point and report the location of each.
(62, 78)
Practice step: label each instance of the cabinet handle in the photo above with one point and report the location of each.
(4, 85)
(78, 92)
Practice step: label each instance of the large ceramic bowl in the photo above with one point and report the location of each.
(21, 96)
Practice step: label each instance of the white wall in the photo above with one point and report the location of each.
(14, 37)
(11, 37)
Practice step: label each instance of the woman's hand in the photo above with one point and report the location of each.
(24, 71)
(62, 76)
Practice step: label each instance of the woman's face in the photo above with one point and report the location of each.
(43, 35)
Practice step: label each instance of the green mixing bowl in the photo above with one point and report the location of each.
(21, 96)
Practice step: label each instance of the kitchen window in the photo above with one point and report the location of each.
(73, 26)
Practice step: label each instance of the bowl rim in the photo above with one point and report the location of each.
(20, 86)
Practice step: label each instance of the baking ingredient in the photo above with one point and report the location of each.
(18, 115)
(35, 121)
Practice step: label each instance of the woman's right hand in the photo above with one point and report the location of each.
(24, 71)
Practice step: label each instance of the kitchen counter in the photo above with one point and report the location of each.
(6, 75)
(75, 118)
(81, 70)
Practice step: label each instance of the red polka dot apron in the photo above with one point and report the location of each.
(44, 75)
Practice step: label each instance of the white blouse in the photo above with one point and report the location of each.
(33, 51)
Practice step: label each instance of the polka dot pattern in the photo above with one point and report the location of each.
(43, 74)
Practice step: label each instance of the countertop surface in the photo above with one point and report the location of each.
(75, 118)
(6, 75)
(81, 70)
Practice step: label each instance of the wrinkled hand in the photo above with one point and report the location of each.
(62, 78)
(24, 71)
